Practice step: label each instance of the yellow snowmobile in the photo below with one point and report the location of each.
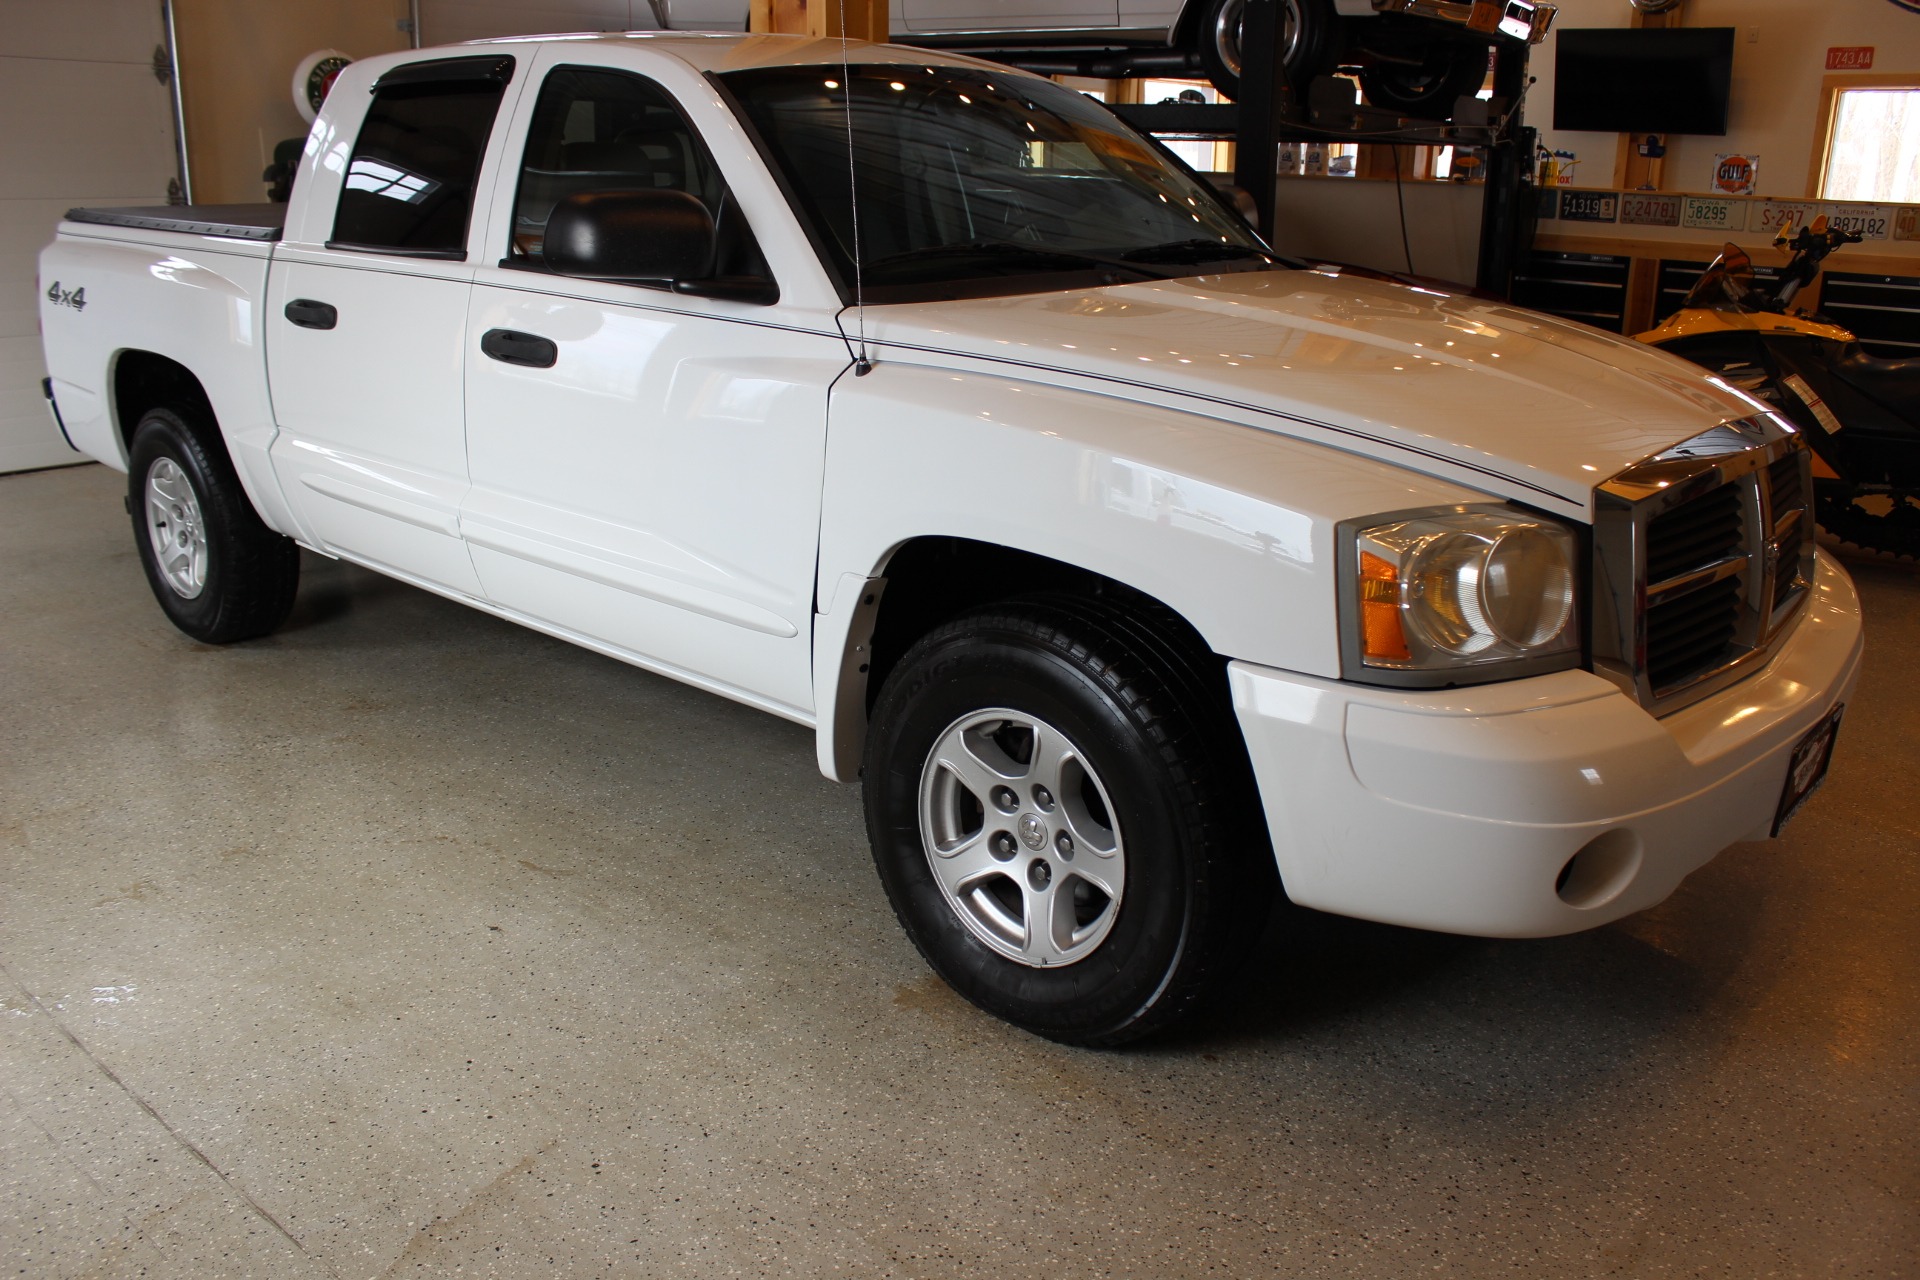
(1861, 415)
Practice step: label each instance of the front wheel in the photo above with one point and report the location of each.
(1429, 87)
(1058, 804)
(219, 573)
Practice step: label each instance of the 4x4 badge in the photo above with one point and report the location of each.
(75, 298)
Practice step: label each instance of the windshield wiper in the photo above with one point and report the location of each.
(1189, 252)
(1002, 253)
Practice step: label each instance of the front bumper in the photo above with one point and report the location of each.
(1459, 810)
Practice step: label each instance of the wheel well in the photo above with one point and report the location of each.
(143, 381)
(933, 579)
(1186, 27)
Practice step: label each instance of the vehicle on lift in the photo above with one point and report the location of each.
(1136, 574)
(1417, 57)
(1860, 414)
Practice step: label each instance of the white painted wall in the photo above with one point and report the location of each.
(86, 123)
(1779, 60)
(1357, 220)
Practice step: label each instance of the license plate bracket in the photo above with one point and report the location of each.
(1807, 767)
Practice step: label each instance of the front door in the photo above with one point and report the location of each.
(646, 466)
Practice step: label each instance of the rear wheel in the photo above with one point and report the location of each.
(1059, 808)
(219, 573)
(1306, 35)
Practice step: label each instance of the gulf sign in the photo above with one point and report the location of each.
(1734, 174)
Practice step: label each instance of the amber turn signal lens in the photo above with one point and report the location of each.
(1381, 638)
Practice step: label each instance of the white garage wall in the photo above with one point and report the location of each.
(1357, 220)
(86, 123)
(237, 59)
(1779, 60)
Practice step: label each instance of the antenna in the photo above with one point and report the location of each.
(862, 365)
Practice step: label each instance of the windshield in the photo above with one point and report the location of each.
(973, 182)
(1724, 285)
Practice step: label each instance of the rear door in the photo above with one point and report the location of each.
(366, 320)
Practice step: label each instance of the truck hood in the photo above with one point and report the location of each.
(1526, 405)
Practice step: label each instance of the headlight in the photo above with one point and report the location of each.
(1463, 594)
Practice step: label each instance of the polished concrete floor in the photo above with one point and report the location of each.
(406, 942)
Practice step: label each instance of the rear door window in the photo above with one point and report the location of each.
(409, 184)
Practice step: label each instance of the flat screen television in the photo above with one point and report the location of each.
(1643, 80)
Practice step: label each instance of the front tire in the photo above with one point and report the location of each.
(218, 572)
(1060, 812)
(1429, 88)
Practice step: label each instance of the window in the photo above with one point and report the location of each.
(971, 182)
(611, 131)
(1873, 149)
(1203, 156)
(409, 183)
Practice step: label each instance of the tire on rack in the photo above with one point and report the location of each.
(1306, 41)
(1063, 816)
(219, 573)
(1448, 71)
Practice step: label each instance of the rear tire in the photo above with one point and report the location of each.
(219, 573)
(1088, 724)
(1306, 38)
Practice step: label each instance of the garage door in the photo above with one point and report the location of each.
(88, 123)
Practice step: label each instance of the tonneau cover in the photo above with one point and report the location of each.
(233, 221)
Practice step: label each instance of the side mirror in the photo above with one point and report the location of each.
(630, 235)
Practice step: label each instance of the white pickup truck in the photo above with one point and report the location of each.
(1136, 572)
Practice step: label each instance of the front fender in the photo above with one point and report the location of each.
(1230, 526)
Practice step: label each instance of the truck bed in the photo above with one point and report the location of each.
(232, 221)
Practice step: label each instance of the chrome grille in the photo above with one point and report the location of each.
(1698, 533)
(1787, 483)
(1702, 555)
(1691, 634)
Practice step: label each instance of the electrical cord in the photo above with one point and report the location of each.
(1400, 194)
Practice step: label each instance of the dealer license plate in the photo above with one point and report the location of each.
(1808, 768)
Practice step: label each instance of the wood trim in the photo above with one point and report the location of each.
(1643, 289)
(778, 17)
(1631, 170)
(1830, 90)
(848, 19)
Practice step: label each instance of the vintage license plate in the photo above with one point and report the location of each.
(1589, 206)
(1714, 215)
(1650, 211)
(1807, 768)
(1791, 214)
(1868, 221)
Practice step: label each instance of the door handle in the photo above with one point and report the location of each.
(511, 347)
(309, 314)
